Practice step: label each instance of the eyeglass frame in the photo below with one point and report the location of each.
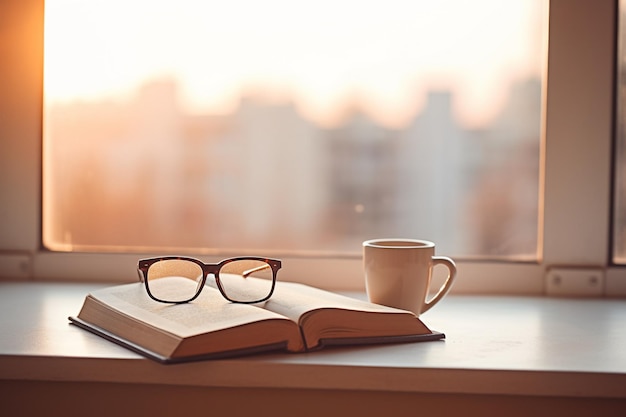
(143, 265)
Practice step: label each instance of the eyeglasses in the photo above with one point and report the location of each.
(176, 279)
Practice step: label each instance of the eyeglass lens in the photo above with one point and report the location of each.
(246, 280)
(179, 280)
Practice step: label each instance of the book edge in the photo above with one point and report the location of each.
(312, 343)
(173, 360)
(379, 340)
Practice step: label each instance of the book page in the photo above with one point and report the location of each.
(326, 317)
(207, 313)
(294, 300)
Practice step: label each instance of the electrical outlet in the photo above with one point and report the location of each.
(580, 282)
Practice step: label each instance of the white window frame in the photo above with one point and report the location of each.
(575, 190)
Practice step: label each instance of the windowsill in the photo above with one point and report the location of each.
(520, 346)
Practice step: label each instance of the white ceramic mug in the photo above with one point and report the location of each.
(398, 273)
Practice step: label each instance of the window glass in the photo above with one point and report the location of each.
(284, 126)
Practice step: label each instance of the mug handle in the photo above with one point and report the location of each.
(448, 263)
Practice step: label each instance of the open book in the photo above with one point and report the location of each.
(297, 318)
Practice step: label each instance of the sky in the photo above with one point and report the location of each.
(323, 55)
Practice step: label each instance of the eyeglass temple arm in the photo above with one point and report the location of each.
(140, 274)
(245, 274)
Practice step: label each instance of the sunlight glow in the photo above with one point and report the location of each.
(324, 55)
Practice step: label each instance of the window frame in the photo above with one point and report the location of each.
(575, 189)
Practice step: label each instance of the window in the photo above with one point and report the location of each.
(574, 169)
(229, 126)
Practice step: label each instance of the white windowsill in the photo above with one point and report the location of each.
(525, 346)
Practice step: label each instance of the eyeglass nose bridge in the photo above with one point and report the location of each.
(210, 269)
